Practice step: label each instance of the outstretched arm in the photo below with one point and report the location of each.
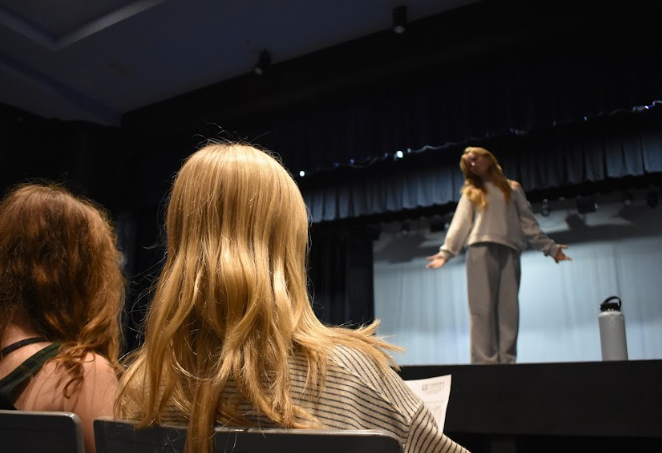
(456, 236)
(531, 229)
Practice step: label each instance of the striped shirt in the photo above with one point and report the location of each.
(359, 395)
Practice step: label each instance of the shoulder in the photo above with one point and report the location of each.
(96, 394)
(99, 375)
(515, 185)
(362, 372)
(98, 372)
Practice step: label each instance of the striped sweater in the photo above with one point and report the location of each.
(358, 395)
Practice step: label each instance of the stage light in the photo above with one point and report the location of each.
(405, 228)
(263, 63)
(652, 199)
(586, 204)
(627, 199)
(302, 173)
(398, 155)
(437, 224)
(399, 19)
(545, 210)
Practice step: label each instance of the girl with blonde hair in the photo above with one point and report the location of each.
(61, 298)
(231, 337)
(494, 221)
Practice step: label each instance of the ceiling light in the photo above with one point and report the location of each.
(627, 199)
(652, 199)
(263, 63)
(399, 19)
(586, 204)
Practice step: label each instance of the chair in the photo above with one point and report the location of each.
(40, 432)
(121, 436)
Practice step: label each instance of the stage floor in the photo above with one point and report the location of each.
(542, 402)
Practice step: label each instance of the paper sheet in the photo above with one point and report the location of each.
(435, 393)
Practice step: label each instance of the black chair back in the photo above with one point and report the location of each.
(40, 432)
(115, 436)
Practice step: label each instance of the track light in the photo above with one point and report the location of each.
(586, 204)
(405, 228)
(652, 199)
(399, 19)
(263, 63)
(627, 199)
(437, 223)
(545, 210)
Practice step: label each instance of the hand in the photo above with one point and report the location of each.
(436, 261)
(560, 256)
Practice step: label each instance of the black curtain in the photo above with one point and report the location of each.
(340, 275)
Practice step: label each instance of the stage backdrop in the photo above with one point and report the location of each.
(616, 250)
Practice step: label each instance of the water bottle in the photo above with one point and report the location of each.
(612, 330)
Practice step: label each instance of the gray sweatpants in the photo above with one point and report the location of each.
(493, 279)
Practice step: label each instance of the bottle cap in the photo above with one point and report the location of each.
(611, 303)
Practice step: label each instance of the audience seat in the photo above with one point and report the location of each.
(40, 432)
(115, 436)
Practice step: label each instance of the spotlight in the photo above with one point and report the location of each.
(545, 209)
(399, 19)
(302, 173)
(263, 63)
(627, 199)
(586, 204)
(405, 228)
(652, 199)
(372, 232)
(437, 224)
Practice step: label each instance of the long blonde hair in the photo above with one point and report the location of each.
(60, 274)
(474, 187)
(231, 303)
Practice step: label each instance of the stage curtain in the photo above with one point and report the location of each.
(340, 275)
(616, 147)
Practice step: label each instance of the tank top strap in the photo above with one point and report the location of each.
(19, 344)
(23, 372)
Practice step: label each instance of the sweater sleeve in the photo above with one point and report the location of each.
(535, 236)
(425, 436)
(459, 229)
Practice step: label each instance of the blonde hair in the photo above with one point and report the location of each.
(60, 274)
(231, 304)
(474, 187)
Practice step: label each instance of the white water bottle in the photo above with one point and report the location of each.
(612, 330)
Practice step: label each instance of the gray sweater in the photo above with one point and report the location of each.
(512, 224)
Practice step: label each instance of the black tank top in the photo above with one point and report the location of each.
(25, 370)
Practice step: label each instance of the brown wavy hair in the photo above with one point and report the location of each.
(60, 274)
(474, 187)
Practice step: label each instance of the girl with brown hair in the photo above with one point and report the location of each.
(61, 298)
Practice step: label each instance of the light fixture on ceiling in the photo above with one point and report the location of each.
(586, 204)
(627, 199)
(263, 63)
(652, 198)
(405, 228)
(399, 19)
(437, 223)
